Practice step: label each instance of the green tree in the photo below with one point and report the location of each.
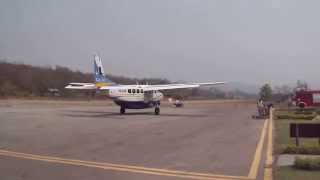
(265, 92)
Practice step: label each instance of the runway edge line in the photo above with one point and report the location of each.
(268, 175)
(257, 156)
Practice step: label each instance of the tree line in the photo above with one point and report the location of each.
(281, 93)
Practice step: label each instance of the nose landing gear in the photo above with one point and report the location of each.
(157, 109)
(122, 110)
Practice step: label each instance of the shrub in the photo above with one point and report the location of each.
(305, 109)
(307, 163)
(292, 149)
(296, 117)
(303, 112)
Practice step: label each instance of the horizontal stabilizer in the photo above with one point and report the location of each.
(87, 86)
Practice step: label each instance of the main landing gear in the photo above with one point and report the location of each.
(156, 109)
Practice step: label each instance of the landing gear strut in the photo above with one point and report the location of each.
(157, 109)
(122, 110)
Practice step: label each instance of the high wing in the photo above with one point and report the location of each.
(162, 86)
(178, 86)
(85, 86)
(103, 83)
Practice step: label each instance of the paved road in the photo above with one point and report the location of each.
(217, 138)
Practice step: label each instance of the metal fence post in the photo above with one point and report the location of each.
(297, 134)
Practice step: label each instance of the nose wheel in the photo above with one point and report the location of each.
(122, 110)
(157, 109)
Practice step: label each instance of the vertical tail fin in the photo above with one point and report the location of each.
(99, 76)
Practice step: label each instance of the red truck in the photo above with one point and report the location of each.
(307, 98)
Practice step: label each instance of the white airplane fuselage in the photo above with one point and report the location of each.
(134, 97)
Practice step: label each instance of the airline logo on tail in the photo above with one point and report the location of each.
(99, 76)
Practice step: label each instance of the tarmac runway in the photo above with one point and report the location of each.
(92, 141)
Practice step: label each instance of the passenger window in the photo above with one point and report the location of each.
(133, 91)
(141, 90)
(138, 91)
(129, 90)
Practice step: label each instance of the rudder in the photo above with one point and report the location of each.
(99, 75)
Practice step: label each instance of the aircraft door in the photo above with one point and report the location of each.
(148, 96)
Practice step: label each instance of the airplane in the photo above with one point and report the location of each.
(131, 96)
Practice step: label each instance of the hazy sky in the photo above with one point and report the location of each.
(251, 41)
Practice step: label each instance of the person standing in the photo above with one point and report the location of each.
(261, 108)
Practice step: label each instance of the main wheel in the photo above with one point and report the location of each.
(122, 110)
(157, 111)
